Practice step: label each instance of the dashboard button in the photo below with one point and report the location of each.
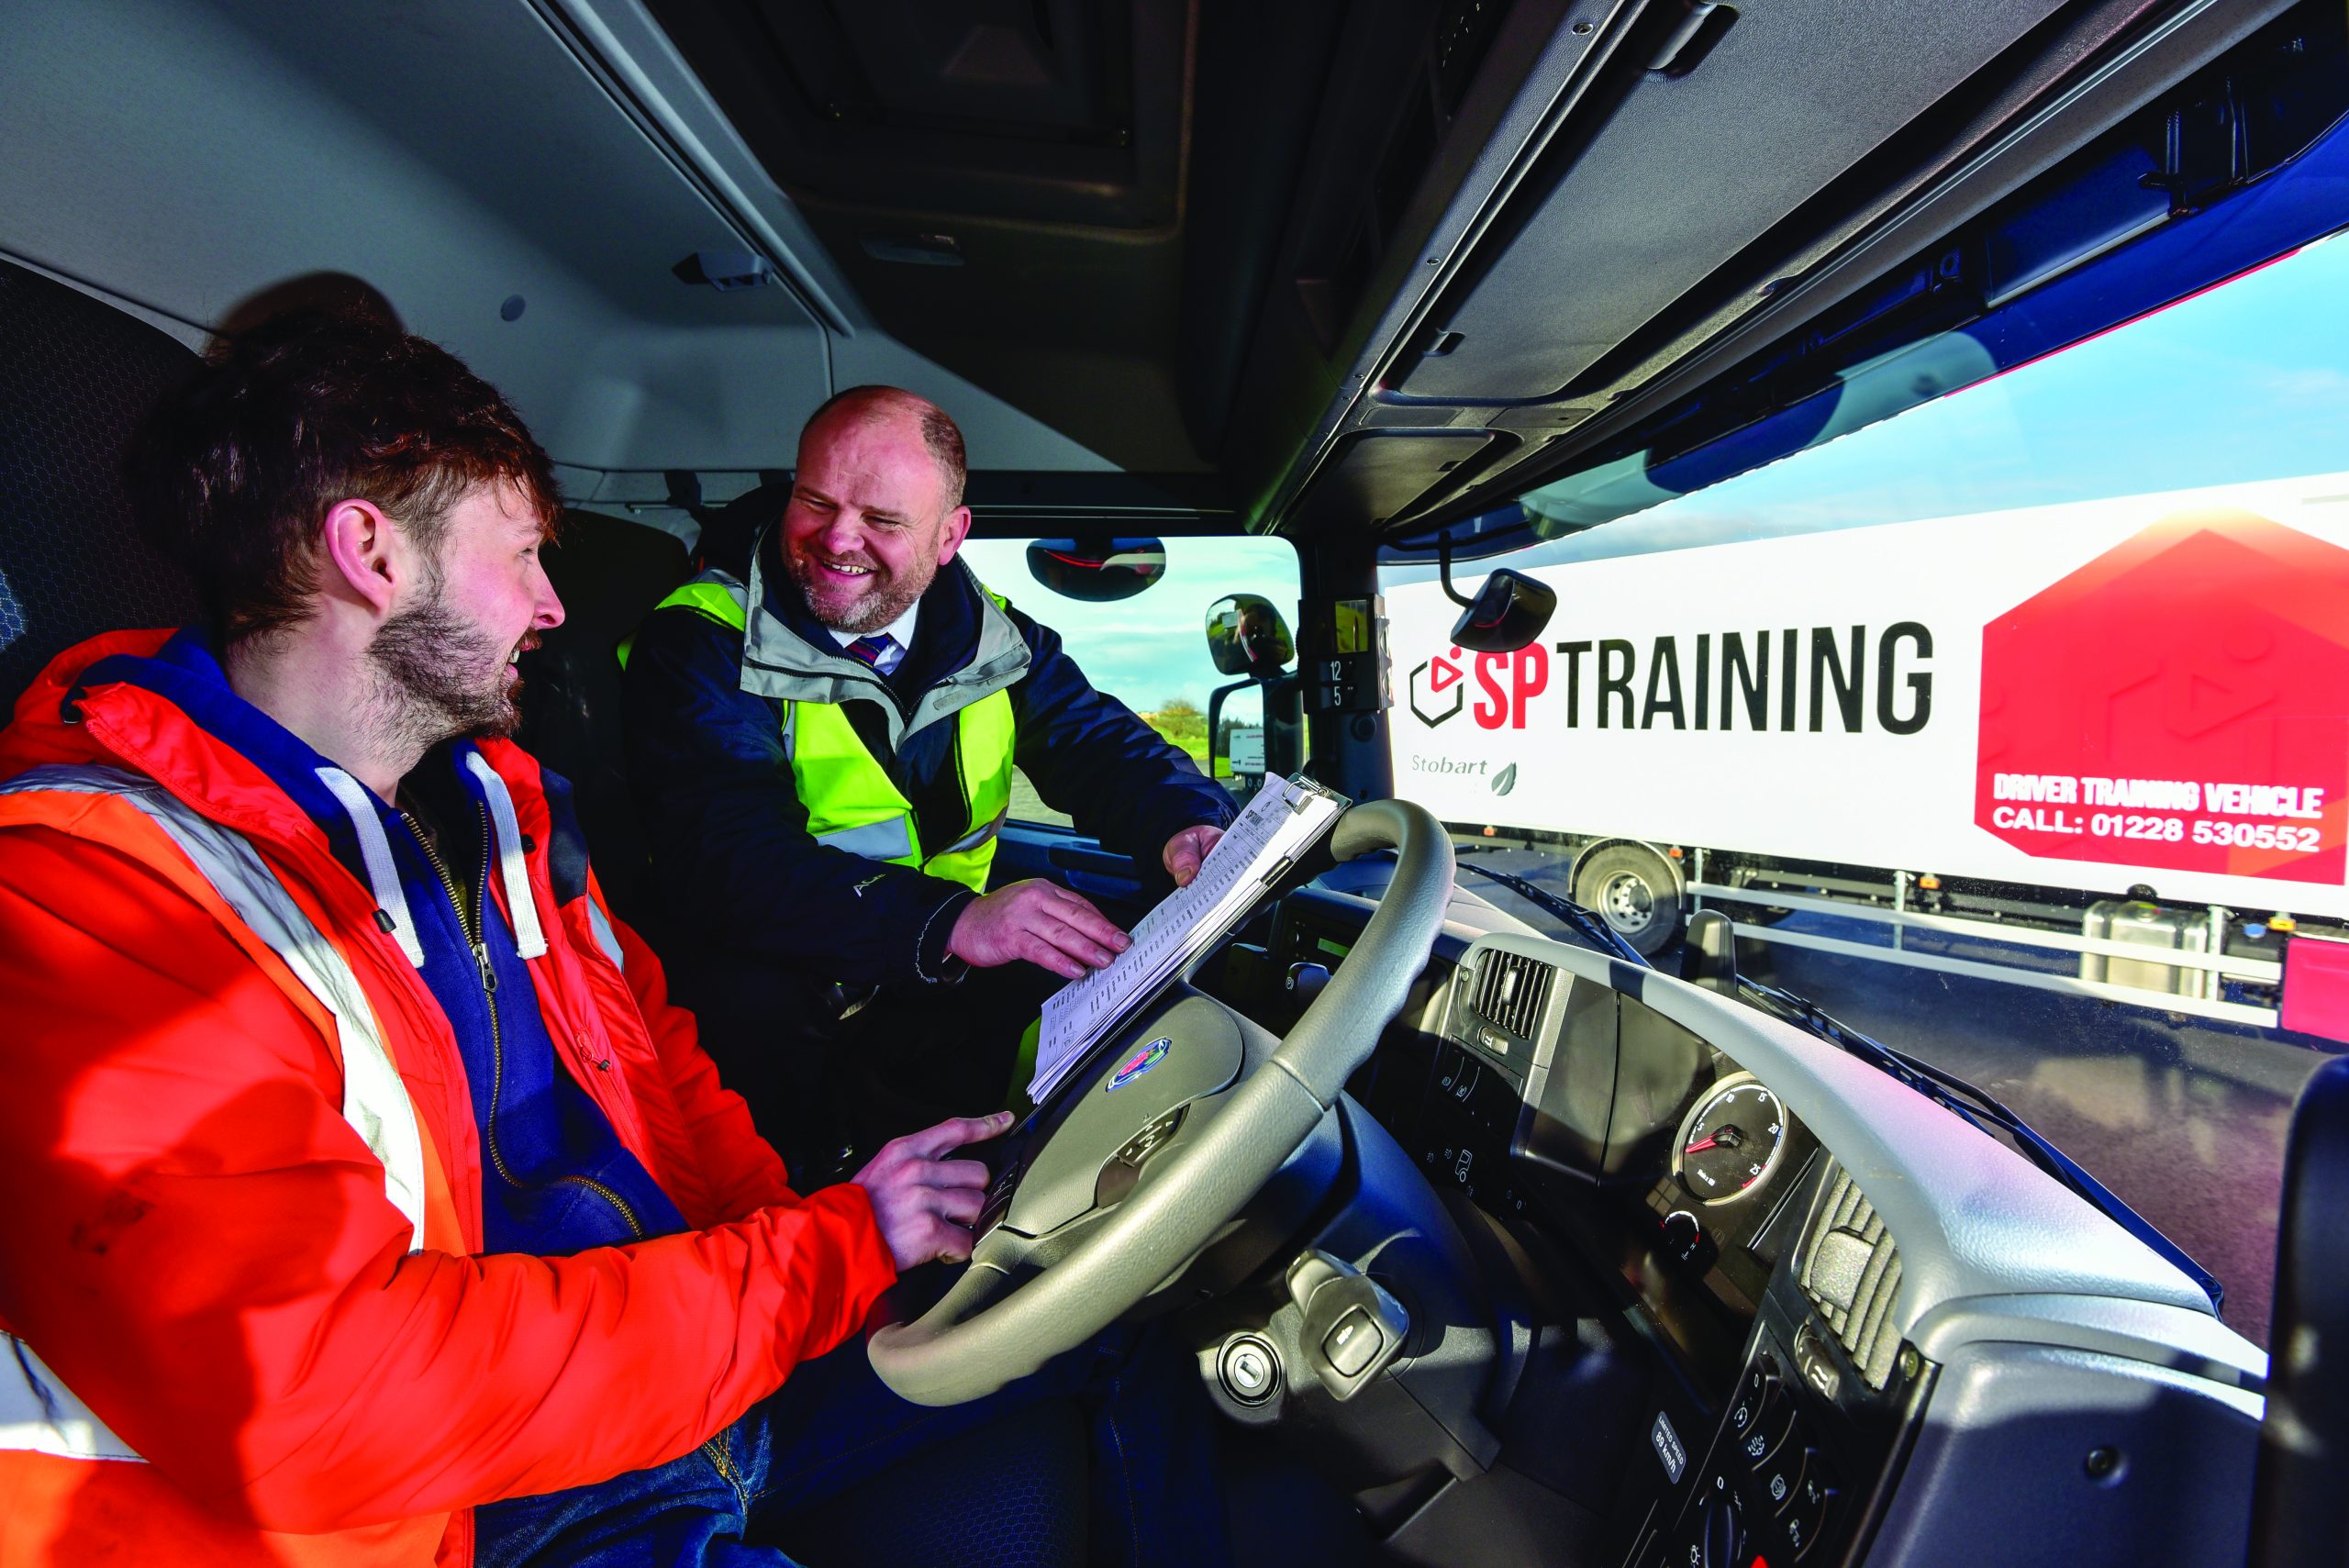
(1763, 1438)
(1814, 1364)
(1450, 1064)
(1756, 1395)
(1804, 1518)
(1779, 1482)
(1352, 1343)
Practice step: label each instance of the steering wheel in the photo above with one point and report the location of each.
(1154, 1156)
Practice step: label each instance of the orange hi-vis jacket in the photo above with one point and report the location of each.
(243, 1315)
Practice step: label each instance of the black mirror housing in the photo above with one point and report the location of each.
(1097, 570)
(1246, 636)
(1508, 612)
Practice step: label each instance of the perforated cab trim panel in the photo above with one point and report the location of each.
(76, 377)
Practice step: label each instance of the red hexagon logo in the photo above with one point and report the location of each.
(2182, 701)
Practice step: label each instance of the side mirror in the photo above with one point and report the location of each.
(1097, 570)
(1508, 613)
(1246, 636)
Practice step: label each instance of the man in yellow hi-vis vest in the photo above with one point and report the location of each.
(821, 735)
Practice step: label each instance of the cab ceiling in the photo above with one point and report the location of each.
(1102, 212)
(466, 160)
(1357, 264)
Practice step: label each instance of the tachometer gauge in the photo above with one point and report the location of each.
(1731, 1141)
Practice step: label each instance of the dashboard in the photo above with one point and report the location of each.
(1722, 1183)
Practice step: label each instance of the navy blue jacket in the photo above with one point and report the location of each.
(754, 909)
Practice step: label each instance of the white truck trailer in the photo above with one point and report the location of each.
(2113, 734)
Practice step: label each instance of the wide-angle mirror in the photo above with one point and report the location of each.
(1246, 636)
(1097, 570)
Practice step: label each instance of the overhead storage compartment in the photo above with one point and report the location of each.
(1377, 475)
(1731, 129)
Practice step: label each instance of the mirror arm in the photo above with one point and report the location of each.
(1215, 716)
(1284, 723)
(1444, 566)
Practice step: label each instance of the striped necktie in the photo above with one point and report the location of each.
(871, 649)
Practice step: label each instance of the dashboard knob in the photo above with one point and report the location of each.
(1721, 1537)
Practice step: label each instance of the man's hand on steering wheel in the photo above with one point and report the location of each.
(1046, 1281)
(924, 1203)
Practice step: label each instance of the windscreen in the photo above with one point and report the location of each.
(2011, 728)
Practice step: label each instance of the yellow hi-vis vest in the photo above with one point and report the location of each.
(853, 804)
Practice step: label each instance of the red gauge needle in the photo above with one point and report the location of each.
(1700, 1147)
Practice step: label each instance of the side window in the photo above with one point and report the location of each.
(1150, 651)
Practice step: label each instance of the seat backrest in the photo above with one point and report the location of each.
(609, 573)
(76, 377)
(2300, 1504)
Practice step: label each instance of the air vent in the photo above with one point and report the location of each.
(1851, 1271)
(1510, 992)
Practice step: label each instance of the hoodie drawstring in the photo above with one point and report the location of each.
(375, 848)
(529, 937)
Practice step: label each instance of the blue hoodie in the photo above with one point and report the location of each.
(556, 1178)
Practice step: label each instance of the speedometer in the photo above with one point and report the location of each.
(1731, 1141)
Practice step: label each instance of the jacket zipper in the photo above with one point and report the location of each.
(488, 975)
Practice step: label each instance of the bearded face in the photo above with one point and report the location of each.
(870, 522)
(445, 662)
(449, 674)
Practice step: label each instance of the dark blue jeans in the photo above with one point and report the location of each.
(1153, 1495)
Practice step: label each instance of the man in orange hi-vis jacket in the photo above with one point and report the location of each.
(362, 1198)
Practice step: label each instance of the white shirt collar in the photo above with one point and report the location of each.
(902, 629)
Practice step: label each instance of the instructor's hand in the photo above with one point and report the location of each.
(1040, 921)
(1185, 849)
(924, 1203)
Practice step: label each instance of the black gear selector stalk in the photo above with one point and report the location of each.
(1352, 1328)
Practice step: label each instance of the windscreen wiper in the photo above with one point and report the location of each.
(1593, 927)
(1982, 1111)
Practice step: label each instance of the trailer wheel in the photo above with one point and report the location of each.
(1635, 891)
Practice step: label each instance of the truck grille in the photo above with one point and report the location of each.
(1851, 1271)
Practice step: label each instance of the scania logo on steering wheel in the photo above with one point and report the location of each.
(1148, 1057)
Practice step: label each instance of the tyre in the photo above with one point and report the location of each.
(1635, 891)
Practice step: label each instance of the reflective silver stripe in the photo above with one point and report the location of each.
(374, 1101)
(39, 1413)
(978, 836)
(888, 839)
(606, 937)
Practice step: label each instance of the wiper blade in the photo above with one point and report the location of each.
(1978, 1107)
(1593, 927)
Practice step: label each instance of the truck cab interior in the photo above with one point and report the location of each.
(1494, 1247)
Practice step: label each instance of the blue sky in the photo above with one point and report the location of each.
(1152, 646)
(2247, 381)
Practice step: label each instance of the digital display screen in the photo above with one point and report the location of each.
(1332, 947)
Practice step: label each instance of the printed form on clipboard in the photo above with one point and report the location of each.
(1287, 817)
